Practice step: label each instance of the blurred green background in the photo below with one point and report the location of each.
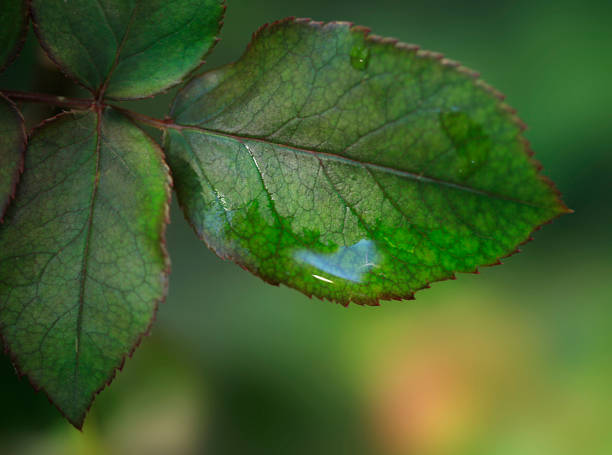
(514, 361)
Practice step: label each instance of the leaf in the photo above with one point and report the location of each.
(12, 147)
(352, 167)
(13, 28)
(82, 256)
(127, 48)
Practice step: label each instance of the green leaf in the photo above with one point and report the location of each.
(352, 167)
(12, 147)
(127, 48)
(82, 256)
(13, 28)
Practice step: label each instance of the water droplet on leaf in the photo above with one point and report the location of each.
(360, 56)
(350, 262)
(322, 278)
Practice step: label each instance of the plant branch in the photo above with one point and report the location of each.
(154, 122)
(82, 103)
(77, 103)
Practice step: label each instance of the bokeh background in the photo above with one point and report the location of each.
(514, 361)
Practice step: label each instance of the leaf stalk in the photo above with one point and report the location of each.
(85, 104)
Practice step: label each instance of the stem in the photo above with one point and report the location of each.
(78, 103)
(154, 122)
(86, 104)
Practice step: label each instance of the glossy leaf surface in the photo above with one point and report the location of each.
(127, 48)
(13, 27)
(351, 167)
(12, 146)
(82, 256)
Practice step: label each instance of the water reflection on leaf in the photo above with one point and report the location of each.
(350, 263)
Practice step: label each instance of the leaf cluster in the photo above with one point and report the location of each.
(348, 166)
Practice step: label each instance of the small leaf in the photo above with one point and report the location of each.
(82, 257)
(13, 28)
(12, 147)
(352, 167)
(127, 48)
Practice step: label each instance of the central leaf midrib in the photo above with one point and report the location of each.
(343, 159)
(115, 62)
(86, 251)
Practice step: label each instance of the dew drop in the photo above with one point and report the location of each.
(360, 56)
(350, 263)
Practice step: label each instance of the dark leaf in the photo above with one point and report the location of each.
(12, 147)
(13, 28)
(82, 256)
(127, 48)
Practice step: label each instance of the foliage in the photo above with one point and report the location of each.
(348, 166)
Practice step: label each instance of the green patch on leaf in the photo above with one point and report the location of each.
(472, 145)
(351, 167)
(12, 147)
(127, 48)
(82, 257)
(360, 56)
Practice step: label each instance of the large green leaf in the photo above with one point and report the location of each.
(127, 48)
(13, 27)
(12, 146)
(351, 167)
(82, 256)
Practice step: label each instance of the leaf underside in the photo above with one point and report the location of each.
(12, 148)
(127, 48)
(352, 167)
(82, 256)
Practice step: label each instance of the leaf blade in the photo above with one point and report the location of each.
(12, 148)
(130, 49)
(82, 256)
(351, 167)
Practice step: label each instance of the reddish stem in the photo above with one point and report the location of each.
(87, 104)
(77, 103)
(154, 122)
